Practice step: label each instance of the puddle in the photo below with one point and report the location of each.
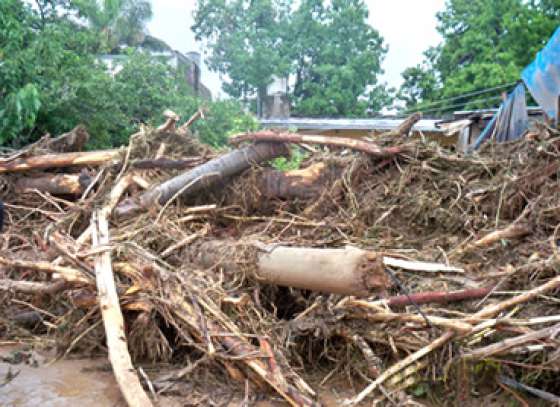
(61, 384)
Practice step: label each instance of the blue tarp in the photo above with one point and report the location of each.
(542, 76)
(510, 121)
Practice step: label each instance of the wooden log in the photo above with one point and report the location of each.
(31, 287)
(59, 160)
(348, 271)
(436, 297)
(55, 184)
(74, 140)
(358, 145)
(113, 320)
(405, 127)
(205, 175)
(305, 183)
(166, 163)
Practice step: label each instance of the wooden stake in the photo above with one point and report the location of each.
(113, 321)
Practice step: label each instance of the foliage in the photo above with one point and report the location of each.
(328, 48)
(486, 43)
(245, 40)
(51, 80)
(297, 155)
(337, 58)
(117, 22)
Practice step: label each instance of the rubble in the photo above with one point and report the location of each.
(379, 266)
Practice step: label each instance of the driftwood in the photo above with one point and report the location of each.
(405, 127)
(349, 271)
(59, 160)
(436, 297)
(74, 140)
(358, 145)
(303, 184)
(31, 287)
(205, 175)
(55, 184)
(113, 319)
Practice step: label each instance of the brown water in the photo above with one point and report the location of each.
(63, 383)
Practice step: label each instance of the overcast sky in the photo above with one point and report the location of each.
(408, 27)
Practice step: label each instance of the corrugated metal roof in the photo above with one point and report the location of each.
(425, 125)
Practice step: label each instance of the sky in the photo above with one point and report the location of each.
(408, 27)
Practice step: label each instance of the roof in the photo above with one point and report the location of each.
(425, 125)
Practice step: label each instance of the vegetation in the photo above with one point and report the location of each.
(486, 43)
(330, 49)
(51, 79)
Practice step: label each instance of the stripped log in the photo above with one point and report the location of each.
(113, 319)
(406, 126)
(295, 138)
(55, 184)
(31, 287)
(59, 160)
(349, 271)
(203, 176)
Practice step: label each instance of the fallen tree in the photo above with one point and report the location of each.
(203, 176)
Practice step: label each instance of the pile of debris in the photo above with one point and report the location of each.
(381, 266)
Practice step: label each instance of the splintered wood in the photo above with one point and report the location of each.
(112, 317)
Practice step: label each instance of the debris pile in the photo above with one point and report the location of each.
(394, 269)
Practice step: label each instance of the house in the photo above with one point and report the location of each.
(189, 65)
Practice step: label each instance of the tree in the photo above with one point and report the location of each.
(337, 58)
(486, 43)
(331, 53)
(245, 42)
(118, 22)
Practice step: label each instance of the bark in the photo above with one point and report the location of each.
(113, 319)
(437, 297)
(306, 183)
(358, 145)
(55, 184)
(405, 127)
(203, 176)
(74, 140)
(166, 163)
(59, 160)
(348, 271)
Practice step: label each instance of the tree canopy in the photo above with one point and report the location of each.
(486, 43)
(51, 79)
(329, 49)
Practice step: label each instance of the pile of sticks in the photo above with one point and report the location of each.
(422, 263)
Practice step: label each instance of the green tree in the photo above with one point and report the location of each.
(328, 49)
(486, 43)
(245, 41)
(337, 58)
(118, 22)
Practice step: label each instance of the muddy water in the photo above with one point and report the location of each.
(63, 383)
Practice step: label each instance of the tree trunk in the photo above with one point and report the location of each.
(59, 160)
(358, 145)
(55, 184)
(348, 271)
(203, 176)
(306, 183)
